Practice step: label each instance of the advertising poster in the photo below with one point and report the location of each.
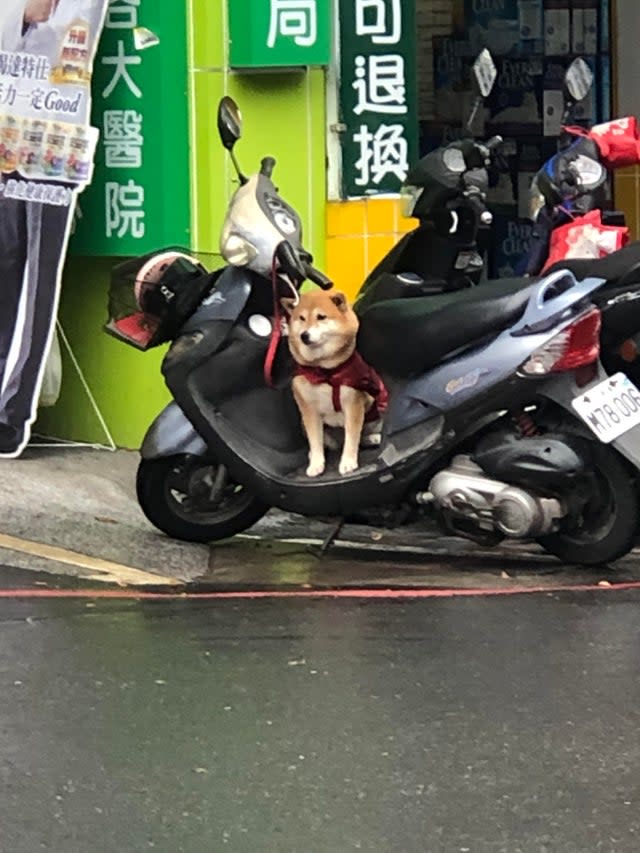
(47, 145)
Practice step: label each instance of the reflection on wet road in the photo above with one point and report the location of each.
(290, 726)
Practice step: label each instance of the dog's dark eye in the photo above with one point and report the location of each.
(321, 316)
(302, 318)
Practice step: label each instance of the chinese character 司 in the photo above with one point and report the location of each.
(122, 14)
(123, 139)
(297, 19)
(124, 209)
(380, 84)
(372, 20)
(385, 152)
(121, 64)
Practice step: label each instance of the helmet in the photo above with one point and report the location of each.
(150, 275)
(574, 179)
(151, 297)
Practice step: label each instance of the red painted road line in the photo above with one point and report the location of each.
(354, 594)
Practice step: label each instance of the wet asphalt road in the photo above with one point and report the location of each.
(506, 724)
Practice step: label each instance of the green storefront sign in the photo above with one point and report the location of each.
(139, 197)
(279, 33)
(378, 94)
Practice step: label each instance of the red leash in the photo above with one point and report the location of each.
(276, 333)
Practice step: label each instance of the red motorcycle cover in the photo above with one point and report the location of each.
(617, 140)
(585, 237)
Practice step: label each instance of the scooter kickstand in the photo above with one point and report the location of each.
(334, 534)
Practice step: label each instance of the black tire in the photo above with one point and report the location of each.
(607, 528)
(193, 499)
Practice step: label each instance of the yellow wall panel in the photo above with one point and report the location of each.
(361, 232)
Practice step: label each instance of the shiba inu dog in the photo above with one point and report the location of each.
(333, 385)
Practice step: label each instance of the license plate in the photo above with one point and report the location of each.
(610, 408)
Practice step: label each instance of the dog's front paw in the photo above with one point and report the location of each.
(316, 467)
(348, 464)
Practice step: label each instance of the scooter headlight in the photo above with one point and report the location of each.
(536, 200)
(237, 251)
(410, 197)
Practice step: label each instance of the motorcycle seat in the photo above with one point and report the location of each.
(406, 337)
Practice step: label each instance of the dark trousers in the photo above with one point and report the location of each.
(31, 241)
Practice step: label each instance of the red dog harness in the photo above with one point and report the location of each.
(354, 373)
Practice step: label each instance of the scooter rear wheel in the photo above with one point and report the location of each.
(194, 499)
(607, 528)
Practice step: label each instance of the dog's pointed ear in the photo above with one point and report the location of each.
(339, 300)
(289, 304)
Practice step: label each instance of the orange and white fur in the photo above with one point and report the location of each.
(322, 335)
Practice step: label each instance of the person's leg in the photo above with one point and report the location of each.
(47, 228)
(13, 256)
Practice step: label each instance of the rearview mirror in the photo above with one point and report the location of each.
(229, 122)
(485, 73)
(578, 80)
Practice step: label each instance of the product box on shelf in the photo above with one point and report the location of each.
(504, 26)
(515, 104)
(585, 27)
(557, 27)
(531, 19)
(511, 242)
(449, 78)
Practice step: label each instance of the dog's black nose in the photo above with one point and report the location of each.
(305, 337)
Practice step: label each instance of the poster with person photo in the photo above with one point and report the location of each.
(47, 48)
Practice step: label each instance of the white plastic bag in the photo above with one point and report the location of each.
(52, 379)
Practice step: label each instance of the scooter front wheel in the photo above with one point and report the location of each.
(194, 499)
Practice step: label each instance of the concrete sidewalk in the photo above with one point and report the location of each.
(83, 501)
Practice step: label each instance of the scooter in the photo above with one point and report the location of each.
(573, 230)
(446, 191)
(568, 196)
(502, 425)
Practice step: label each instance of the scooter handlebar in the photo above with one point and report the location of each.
(477, 204)
(479, 155)
(317, 277)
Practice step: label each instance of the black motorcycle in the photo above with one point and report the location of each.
(446, 191)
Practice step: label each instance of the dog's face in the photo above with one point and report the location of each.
(322, 328)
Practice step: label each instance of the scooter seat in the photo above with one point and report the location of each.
(405, 337)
